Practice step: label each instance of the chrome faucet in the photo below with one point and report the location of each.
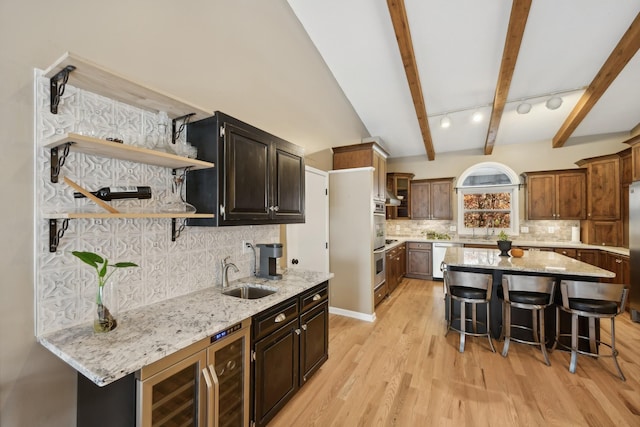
(225, 271)
(493, 232)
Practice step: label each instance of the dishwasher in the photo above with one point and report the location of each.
(438, 251)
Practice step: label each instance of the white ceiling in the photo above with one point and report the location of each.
(458, 47)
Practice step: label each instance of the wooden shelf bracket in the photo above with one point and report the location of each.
(57, 85)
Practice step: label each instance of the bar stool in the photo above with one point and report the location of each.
(534, 293)
(592, 300)
(468, 288)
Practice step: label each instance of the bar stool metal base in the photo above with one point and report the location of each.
(593, 343)
(463, 331)
(539, 339)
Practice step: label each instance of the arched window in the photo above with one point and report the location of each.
(488, 200)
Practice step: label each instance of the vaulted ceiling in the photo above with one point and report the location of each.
(406, 64)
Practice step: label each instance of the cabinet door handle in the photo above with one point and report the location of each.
(216, 398)
(317, 297)
(280, 318)
(304, 327)
(222, 210)
(618, 261)
(298, 331)
(210, 396)
(276, 208)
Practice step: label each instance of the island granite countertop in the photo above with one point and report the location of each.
(398, 240)
(150, 333)
(531, 262)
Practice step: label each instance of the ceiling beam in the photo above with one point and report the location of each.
(403, 36)
(517, 23)
(620, 56)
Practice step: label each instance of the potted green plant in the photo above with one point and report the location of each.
(504, 244)
(104, 320)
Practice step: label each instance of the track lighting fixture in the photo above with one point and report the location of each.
(554, 103)
(523, 108)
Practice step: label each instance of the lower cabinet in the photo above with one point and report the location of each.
(290, 343)
(391, 269)
(590, 256)
(380, 293)
(207, 387)
(419, 261)
(395, 267)
(206, 383)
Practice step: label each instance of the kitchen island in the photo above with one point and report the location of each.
(539, 263)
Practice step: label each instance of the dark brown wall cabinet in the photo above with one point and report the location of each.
(557, 194)
(290, 343)
(258, 177)
(431, 198)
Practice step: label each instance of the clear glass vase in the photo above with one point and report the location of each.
(176, 202)
(106, 311)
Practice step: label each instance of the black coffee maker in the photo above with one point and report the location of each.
(269, 253)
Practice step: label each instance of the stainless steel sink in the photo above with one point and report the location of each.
(250, 291)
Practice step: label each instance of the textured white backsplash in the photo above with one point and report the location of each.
(65, 287)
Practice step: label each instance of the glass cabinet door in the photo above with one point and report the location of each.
(175, 396)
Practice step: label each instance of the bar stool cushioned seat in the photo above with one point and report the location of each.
(592, 300)
(468, 289)
(533, 293)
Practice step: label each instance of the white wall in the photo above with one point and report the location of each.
(249, 58)
(537, 156)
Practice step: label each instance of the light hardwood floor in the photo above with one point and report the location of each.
(402, 371)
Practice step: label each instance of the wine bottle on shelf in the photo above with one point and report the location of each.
(113, 193)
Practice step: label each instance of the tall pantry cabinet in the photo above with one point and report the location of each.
(363, 155)
(603, 200)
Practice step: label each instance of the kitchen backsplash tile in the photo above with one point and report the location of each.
(64, 286)
(538, 230)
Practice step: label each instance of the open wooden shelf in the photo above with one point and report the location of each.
(104, 148)
(107, 215)
(97, 79)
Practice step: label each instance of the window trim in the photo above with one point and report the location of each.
(512, 188)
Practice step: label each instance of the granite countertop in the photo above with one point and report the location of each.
(150, 333)
(532, 261)
(516, 243)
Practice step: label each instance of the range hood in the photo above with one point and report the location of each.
(391, 199)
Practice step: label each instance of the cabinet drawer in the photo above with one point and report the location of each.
(314, 297)
(269, 320)
(380, 293)
(570, 252)
(418, 245)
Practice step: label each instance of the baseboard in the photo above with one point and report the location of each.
(353, 314)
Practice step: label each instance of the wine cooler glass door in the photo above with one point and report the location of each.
(229, 359)
(173, 397)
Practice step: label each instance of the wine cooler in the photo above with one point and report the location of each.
(204, 385)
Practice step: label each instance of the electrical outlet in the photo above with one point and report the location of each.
(452, 228)
(246, 246)
(524, 229)
(551, 230)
